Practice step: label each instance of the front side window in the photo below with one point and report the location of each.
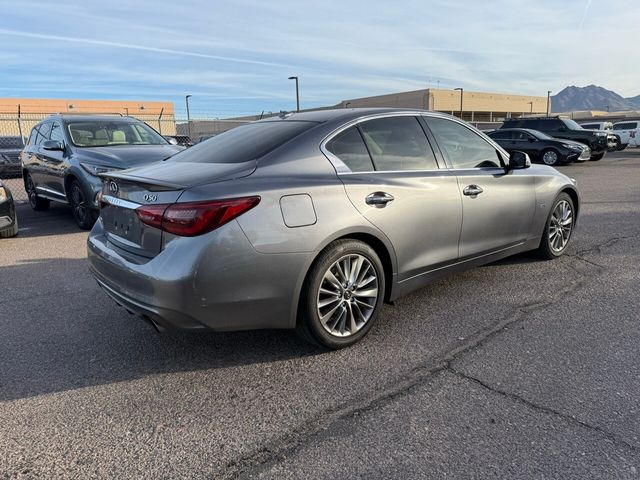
(104, 133)
(42, 133)
(398, 143)
(56, 133)
(463, 147)
(500, 135)
(349, 147)
(624, 126)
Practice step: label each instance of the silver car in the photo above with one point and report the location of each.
(311, 221)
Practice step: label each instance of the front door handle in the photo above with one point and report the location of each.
(378, 199)
(472, 190)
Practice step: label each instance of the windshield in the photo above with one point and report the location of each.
(244, 143)
(11, 142)
(571, 124)
(109, 133)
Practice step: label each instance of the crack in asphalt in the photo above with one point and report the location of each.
(279, 448)
(547, 410)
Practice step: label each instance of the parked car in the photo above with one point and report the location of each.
(607, 127)
(560, 127)
(540, 146)
(629, 132)
(8, 219)
(313, 220)
(182, 140)
(65, 154)
(202, 138)
(10, 156)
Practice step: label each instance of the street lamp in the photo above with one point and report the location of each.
(531, 105)
(548, 102)
(186, 99)
(297, 93)
(461, 97)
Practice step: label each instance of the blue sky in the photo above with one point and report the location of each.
(234, 57)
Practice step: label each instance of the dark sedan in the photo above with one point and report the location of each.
(541, 147)
(8, 219)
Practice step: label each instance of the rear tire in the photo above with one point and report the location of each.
(11, 232)
(342, 295)
(37, 203)
(597, 156)
(558, 229)
(82, 212)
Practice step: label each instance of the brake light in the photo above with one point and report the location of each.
(195, 218)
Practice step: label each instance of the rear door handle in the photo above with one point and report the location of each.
(472, 190)
(378, 199)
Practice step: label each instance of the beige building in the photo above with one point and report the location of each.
(476, 106)
(19, 115)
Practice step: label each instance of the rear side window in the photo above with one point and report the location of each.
(244, 143)
(462, 146)
(590, 126)
(349, 147)
(500, 135)
(624, 126)
(398, 143)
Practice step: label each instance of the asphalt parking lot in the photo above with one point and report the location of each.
(519, 369)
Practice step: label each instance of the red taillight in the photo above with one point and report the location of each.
(195, 218)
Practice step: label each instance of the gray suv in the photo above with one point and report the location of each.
(65, 154)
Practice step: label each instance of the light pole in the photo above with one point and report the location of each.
(548, 102)
(297, 93)
(531, 107)
(186, 99)
(461, 97)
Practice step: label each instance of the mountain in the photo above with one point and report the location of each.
(591, 97)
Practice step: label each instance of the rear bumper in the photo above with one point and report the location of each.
(216, 281)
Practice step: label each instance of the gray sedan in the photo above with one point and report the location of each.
(311, 221)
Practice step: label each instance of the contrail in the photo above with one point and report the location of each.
(129, 46)
(584, 14)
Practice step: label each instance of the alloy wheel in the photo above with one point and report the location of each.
(31, 192)
(348, 295)
(550, 157)
(560, 226)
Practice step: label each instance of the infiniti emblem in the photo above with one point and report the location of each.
(113, 187)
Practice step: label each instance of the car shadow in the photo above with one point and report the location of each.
(61, 332)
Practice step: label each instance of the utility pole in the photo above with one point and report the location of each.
(297, 93)
(461, 98)
(548, 102)
(186, 99)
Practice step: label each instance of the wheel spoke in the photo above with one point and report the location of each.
(348, 295)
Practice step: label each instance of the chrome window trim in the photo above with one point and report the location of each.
(342, 169)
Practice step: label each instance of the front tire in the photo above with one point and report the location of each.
(597, 156)
(558, 229)
(342, 295)
(82, 212)
(550, 157)
(621, 146)
(11, 232)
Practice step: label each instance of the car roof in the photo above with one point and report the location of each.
(348, 114)
(91, 118)
(528, 130)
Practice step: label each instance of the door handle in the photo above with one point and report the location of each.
(472, 190)
(378, 199)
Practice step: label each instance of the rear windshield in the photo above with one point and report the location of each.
(106, 133)
(244, 143)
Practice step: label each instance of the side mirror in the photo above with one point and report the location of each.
(53, 145)
(518, 160)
